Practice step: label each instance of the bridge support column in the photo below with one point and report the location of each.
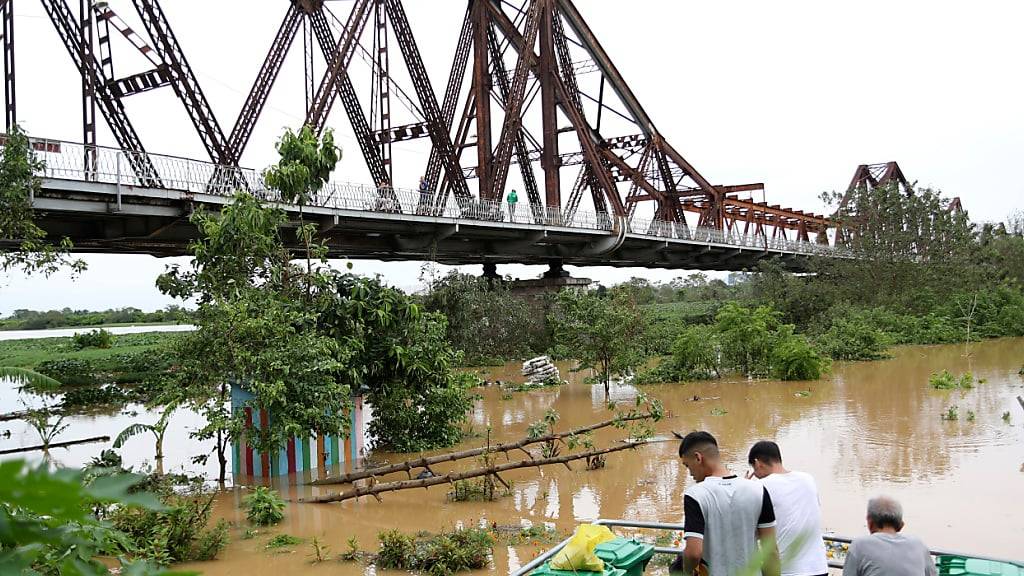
(555, 270)
(491, 271)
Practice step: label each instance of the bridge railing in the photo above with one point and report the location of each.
(68, 160)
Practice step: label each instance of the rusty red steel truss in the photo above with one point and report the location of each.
(519, 69)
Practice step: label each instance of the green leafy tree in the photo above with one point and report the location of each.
(600, 332)
(747, 337)
(403, 361)
(305, 166)
(256, 326)
(485, 320)
(23, 244)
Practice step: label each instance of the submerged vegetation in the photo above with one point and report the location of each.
(946, 381)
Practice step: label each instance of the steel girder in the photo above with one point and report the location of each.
(110, 105)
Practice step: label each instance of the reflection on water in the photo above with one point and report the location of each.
(868, 428)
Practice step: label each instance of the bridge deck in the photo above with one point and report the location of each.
(110, 209)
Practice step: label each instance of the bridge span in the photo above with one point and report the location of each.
(109, 209)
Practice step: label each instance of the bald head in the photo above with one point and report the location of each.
(884, 511)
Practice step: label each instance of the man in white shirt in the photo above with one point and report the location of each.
(728, 521)
(797, 511)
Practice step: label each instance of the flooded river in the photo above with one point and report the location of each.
(868, 428)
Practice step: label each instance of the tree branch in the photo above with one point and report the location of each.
(376, 489)
(426, 462)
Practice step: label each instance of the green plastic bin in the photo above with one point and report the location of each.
(624, 554)
(545, 569)
(963, 566)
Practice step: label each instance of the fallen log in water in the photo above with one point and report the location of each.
(56, 445)
(428, 461)
(375, 490)
(14, 416)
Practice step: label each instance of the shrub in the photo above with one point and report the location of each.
(853, 339)
(397, 550)
(795, 359)
(179, 532)
(93, 339)
(436, 554)
(212, 541)
(283, 541)
(946, 381)
(265, 507)
(951, 413)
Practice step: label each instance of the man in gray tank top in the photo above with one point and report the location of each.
(727, 519)
(886, 552)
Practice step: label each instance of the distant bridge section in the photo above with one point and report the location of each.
(103, 206)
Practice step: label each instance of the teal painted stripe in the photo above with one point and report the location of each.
(236, 457)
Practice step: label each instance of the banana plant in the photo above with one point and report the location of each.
(31, 378)
(157, 430)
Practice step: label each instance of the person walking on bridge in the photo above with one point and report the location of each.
(512, 198)
(797, 511)
(886, 552)
(727, 520)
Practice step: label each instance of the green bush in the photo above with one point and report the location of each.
(177, 533)
(795, 359)
(437, 554)
(265, 507)
(93, 339)
(283, 541)
(397, 550)
(852, 338)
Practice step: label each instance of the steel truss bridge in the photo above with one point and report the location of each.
(531, 97)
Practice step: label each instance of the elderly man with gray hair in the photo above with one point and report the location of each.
(886, 552)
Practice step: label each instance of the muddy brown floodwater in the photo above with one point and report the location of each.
(868, 428)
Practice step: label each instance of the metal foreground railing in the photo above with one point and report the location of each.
(67, 161)
(830, 540)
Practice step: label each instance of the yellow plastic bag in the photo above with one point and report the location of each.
(578, 553)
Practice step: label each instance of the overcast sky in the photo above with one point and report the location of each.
(792, 94)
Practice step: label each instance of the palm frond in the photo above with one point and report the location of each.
(130, 431)
(31, 378)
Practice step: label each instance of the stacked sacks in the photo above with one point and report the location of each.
(540, 370)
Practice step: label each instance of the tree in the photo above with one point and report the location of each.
(23, 243)
(747, 337)
(304, 168)
(257, 327)
(485, 320)
(599, 332)
(403, 361)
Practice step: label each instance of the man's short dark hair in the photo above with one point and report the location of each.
(698, 441)
(766, 451)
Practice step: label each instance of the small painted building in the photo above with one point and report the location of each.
(314, 455)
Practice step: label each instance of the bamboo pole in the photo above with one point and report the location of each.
(375, 490)
(13, 416)
(56, 445)
(426, 462)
